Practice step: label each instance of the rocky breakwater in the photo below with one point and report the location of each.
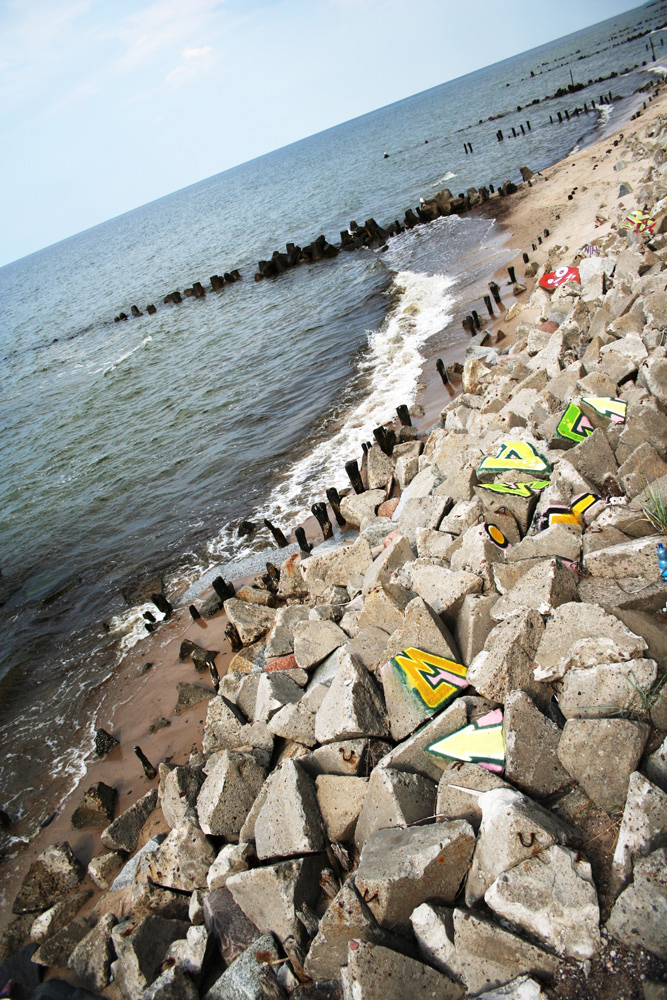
(440, 761)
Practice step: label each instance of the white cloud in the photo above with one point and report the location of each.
(161, 26)
(197, 53)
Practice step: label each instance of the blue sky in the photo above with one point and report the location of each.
(108, 104)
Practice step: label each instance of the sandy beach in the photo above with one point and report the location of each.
(142, 694)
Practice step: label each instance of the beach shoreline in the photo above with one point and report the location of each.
(137, 697)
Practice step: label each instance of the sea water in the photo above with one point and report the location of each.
(132, 450)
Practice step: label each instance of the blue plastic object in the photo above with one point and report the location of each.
(662, 560)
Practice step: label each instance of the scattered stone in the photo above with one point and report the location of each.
(95, 808)
(346, 917)
(340, 799)
(573, 623)
(394, 799)
(411, 755)
(58, 916)
(289, 821)
(172, 984)
(355, 507)
(513, 828)
(422, 628)
(545, 586)
(141, 947)
(454, 803)
(639, 916)
(227, 924)
(232, 859)
(251, 621)
(531, 748)
(92, 957)
(191, 694)
(351, 758)
(636, 558)
(643, 827)
(49, 878)
(123, 833)
(280, 641)
(601, 754)
(655, 766)
(553, 898)
(14, 934)
(607, 688)
(441, 588)
(352, 707)
(399, 869)
(250, 976)
(272, 896)
(475, 949)
(182, 861)
(178, 793)
(223, 728)
(105, 867)
(232, 784)
(104, 742)
(506, 662)
(56, 950)
(190, 952)
(314, 641)
(139, 863)
(373, 971)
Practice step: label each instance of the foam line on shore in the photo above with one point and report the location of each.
(391, 366)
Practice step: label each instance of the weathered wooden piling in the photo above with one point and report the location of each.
(277, 534)
(476, 320)
(149, 770)
(512, 274)
(151, 310)
(194, 614)
(215, 676)
(403, 415)
(334, 499)
(162, 604)
(322, 515)
(223, 589)
(526, 258)
(489, 307)
(136, 311)
(495, 291)
(385, 438)
(304, 544)
(245, 528)
(354, 476)
(442, 372)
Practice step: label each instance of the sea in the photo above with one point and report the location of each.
(132, 450)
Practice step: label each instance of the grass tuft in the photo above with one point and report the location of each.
(654, 507)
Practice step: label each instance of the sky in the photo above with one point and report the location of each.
(108, 104)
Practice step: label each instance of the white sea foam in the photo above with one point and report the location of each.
(131, 626)
(660, 70)
(445, 177)
(605, 113)
(107, 368)
(392, 366)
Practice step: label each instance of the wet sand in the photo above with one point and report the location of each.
(135, 698)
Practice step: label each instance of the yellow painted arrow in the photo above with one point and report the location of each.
(480, 742)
